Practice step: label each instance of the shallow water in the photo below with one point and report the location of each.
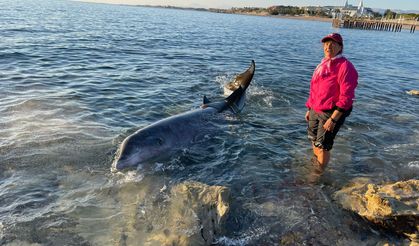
(77, 78)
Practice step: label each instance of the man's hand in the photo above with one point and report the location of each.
(329, 125)
(307, 116)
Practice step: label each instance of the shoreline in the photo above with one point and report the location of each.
(406, 24)
(220, 11)
(307, 18)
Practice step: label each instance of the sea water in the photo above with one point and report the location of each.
(77, 78)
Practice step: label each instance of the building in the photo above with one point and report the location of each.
(360, 9)
(348, 10)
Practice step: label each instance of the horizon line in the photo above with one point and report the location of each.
(225, 8)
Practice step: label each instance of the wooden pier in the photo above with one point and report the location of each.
(373, 25)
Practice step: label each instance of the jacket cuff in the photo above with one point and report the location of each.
(339, 109)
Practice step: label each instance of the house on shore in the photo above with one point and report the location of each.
(348, 10)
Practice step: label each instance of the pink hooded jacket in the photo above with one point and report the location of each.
(333, 85)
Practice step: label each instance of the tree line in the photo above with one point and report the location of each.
(388, 14)
(315, 11)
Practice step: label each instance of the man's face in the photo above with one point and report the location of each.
(331, 49)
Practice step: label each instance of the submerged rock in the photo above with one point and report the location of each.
(413, 92)
(195, 214)
(392, 206)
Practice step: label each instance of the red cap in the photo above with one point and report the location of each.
(333, 36)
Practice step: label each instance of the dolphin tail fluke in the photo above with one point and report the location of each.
(236, 100)
(235, 95)
(246, 77)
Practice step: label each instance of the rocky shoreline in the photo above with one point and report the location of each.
(393, 206)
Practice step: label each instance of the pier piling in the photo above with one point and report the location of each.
(389, 26)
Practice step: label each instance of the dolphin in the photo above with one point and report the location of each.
(168, 135)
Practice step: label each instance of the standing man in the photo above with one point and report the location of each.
(332, 91)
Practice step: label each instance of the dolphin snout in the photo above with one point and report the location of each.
(126, 161)
(119, 165)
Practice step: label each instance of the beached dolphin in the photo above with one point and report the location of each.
(179, 131)
(171, 134)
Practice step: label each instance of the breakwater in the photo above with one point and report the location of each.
(377, 25)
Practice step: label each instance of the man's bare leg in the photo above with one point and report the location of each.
(315, 150)
(323, 156)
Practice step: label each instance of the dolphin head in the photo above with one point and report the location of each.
(141, 147)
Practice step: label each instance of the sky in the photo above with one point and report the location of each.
(382, 4)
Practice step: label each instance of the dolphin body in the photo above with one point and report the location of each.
(179, 131)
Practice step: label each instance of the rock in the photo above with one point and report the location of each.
(195, 215)
(291, 238)
(413, 92)
(22, 243)
(392, 206)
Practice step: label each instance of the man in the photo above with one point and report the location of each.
(332, 90)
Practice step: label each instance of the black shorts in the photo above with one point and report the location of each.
(319, 137)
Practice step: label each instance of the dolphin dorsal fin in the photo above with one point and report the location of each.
(205, 100)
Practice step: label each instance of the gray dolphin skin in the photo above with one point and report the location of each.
(168, 135)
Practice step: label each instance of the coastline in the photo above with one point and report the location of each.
(406, 24)
(221, 11)
(307, 18)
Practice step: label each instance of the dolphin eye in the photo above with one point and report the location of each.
(160, 141)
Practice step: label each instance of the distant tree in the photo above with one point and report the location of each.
(390, 14)
(410, 16)
(376, 15)
(285, 10)
(321, 13)
(273, 10)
